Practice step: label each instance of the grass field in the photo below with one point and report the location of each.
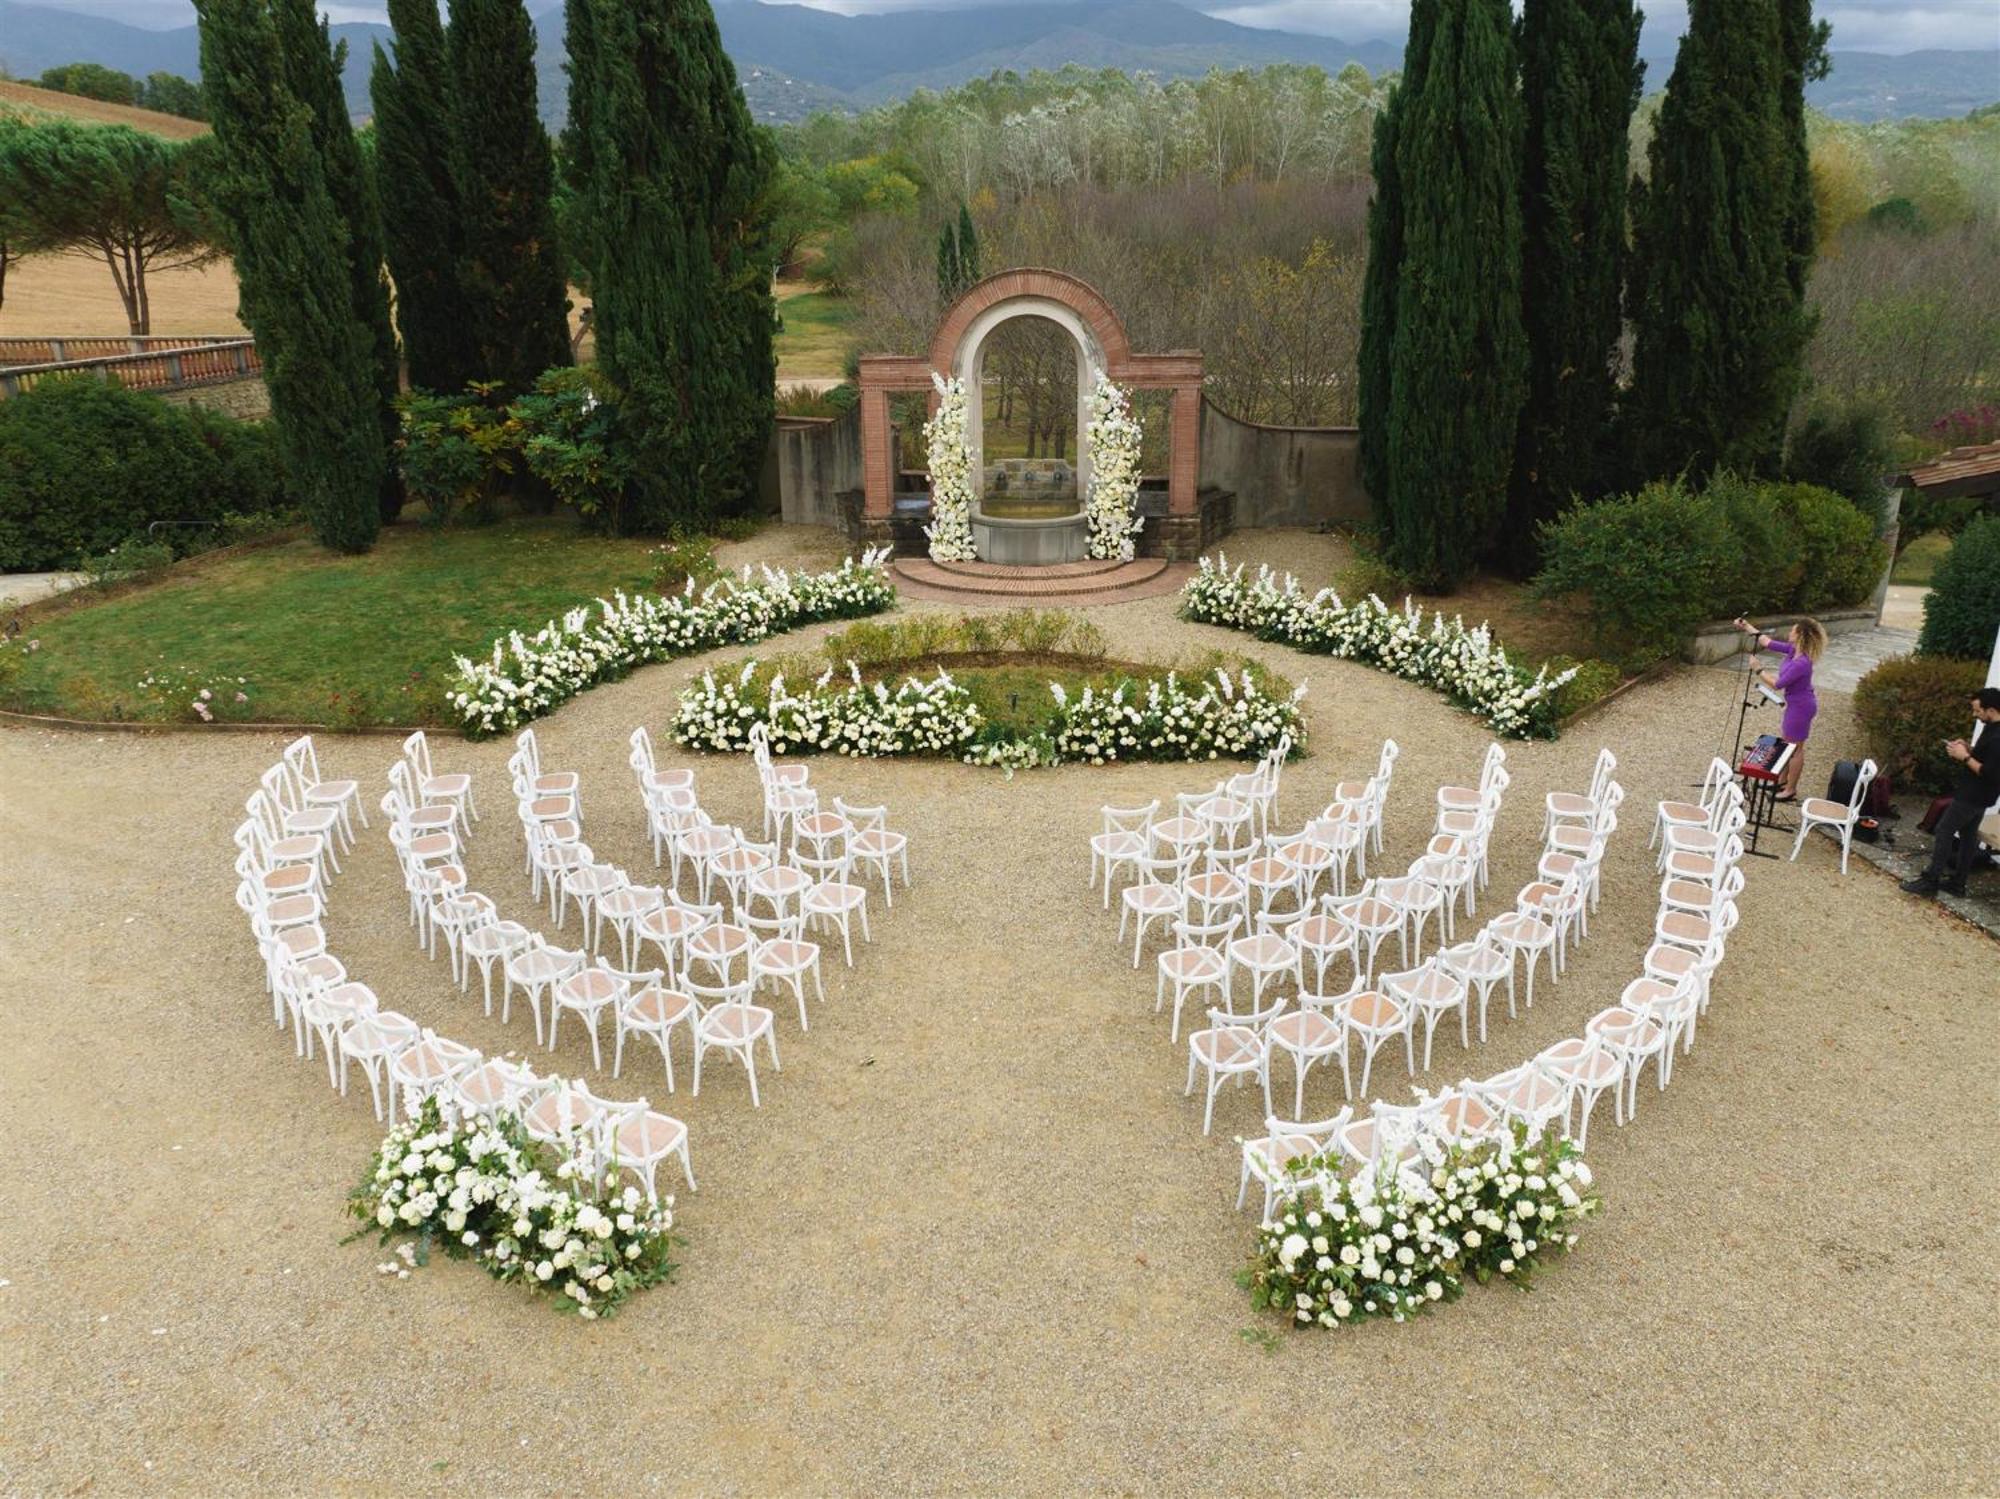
(1919, 559)
(315, 637)
(818, 328)
(43, 103)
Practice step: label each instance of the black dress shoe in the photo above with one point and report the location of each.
(1953, 887)
(1923, 884)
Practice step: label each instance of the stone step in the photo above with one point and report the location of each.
(987, 580)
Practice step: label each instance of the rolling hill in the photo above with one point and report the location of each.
(794, 59)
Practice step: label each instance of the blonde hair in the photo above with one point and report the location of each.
(1810, 637)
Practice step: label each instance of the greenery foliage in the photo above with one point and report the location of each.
(293, 252)
(1651, 566)
(1846, 445)
(1719, 331)
(86, 466)
(419, 196)
(1909, 706)
(1962, 610)
(1458, 356)
(1580, 81)
(512, 283)
(454, 451)
(675, 181)
(1645, 565)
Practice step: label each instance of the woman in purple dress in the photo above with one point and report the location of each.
(1795, 680)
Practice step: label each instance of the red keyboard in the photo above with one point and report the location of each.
(1764, 760)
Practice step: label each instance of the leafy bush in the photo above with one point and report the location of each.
(1962, 611)
(129, 559)
(806, 400)
(85, 466)
(454, 450)
(681, 559)
(1645, 565)
(1842, 559)
(249, 463)
(567, 431)
(1908, 707)
(1767, 560)
(1845, 446)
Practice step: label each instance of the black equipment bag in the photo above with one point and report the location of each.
(1840, 787)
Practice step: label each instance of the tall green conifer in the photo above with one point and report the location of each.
(511, 274)
(1580, 81)
(1718, 328)
(313, 66)
(677, 179)
(268, 184)
(420, 216)
(1458, 361)
(1385, 259)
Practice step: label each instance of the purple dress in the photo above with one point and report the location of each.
(1795, 681)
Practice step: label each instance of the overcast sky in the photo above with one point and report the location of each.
(1861, 25)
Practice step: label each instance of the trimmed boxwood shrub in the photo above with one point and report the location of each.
(1842, 559)
(1645, 565)
(1767, 561)
(1962, 611)
(86, 466)
(1908, 707)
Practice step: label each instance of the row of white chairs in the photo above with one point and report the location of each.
(1655, 1017)
(282, 893)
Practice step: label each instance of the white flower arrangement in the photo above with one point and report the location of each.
(1221, 717)
(1111, 507)
(480, 1189)
(949, 459)
(1392, 1245)
(528, 676)
(1466, 664)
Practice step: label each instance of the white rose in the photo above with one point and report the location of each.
(1371, 1216)
(1342, 1307)
(1506, 1267)
(1319, 1244)
(1291, 1249)
(1349, 1255)
(544, 1270)
(1404, 1256)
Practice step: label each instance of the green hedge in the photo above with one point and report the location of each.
(1908, 707)
(1651, 566)
(85, 466)
(1962, 611)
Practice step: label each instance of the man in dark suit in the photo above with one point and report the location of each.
(1977, 788)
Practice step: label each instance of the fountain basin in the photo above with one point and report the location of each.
(1030, 541)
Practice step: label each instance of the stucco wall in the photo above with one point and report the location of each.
(818, 459)
(1283, 476)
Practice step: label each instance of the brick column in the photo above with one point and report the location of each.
(1184, 457)
(878, 476)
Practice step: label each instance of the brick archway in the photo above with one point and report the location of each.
(960, 336)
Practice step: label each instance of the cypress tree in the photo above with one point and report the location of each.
(1719, 332)
(313, 67)
(677, 179)
(419, 199)
(1457, 366)
(268, 186)
(948, 280)
(1806, 61)
(511, 275)
(1385, 259)
(968, 248)
(1580, 81)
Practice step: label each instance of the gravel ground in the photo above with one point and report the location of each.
(975, 1240)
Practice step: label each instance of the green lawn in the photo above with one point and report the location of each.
(1919, 558)
(814, 340)
(315, 637)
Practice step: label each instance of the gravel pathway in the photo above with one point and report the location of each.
(974, 1240)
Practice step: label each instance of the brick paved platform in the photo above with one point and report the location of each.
(1078, 584)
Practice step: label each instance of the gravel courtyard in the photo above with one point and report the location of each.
(975, 1241)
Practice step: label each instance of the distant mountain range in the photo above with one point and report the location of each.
(795, 60)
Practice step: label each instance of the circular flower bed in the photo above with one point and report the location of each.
(1115, 716)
